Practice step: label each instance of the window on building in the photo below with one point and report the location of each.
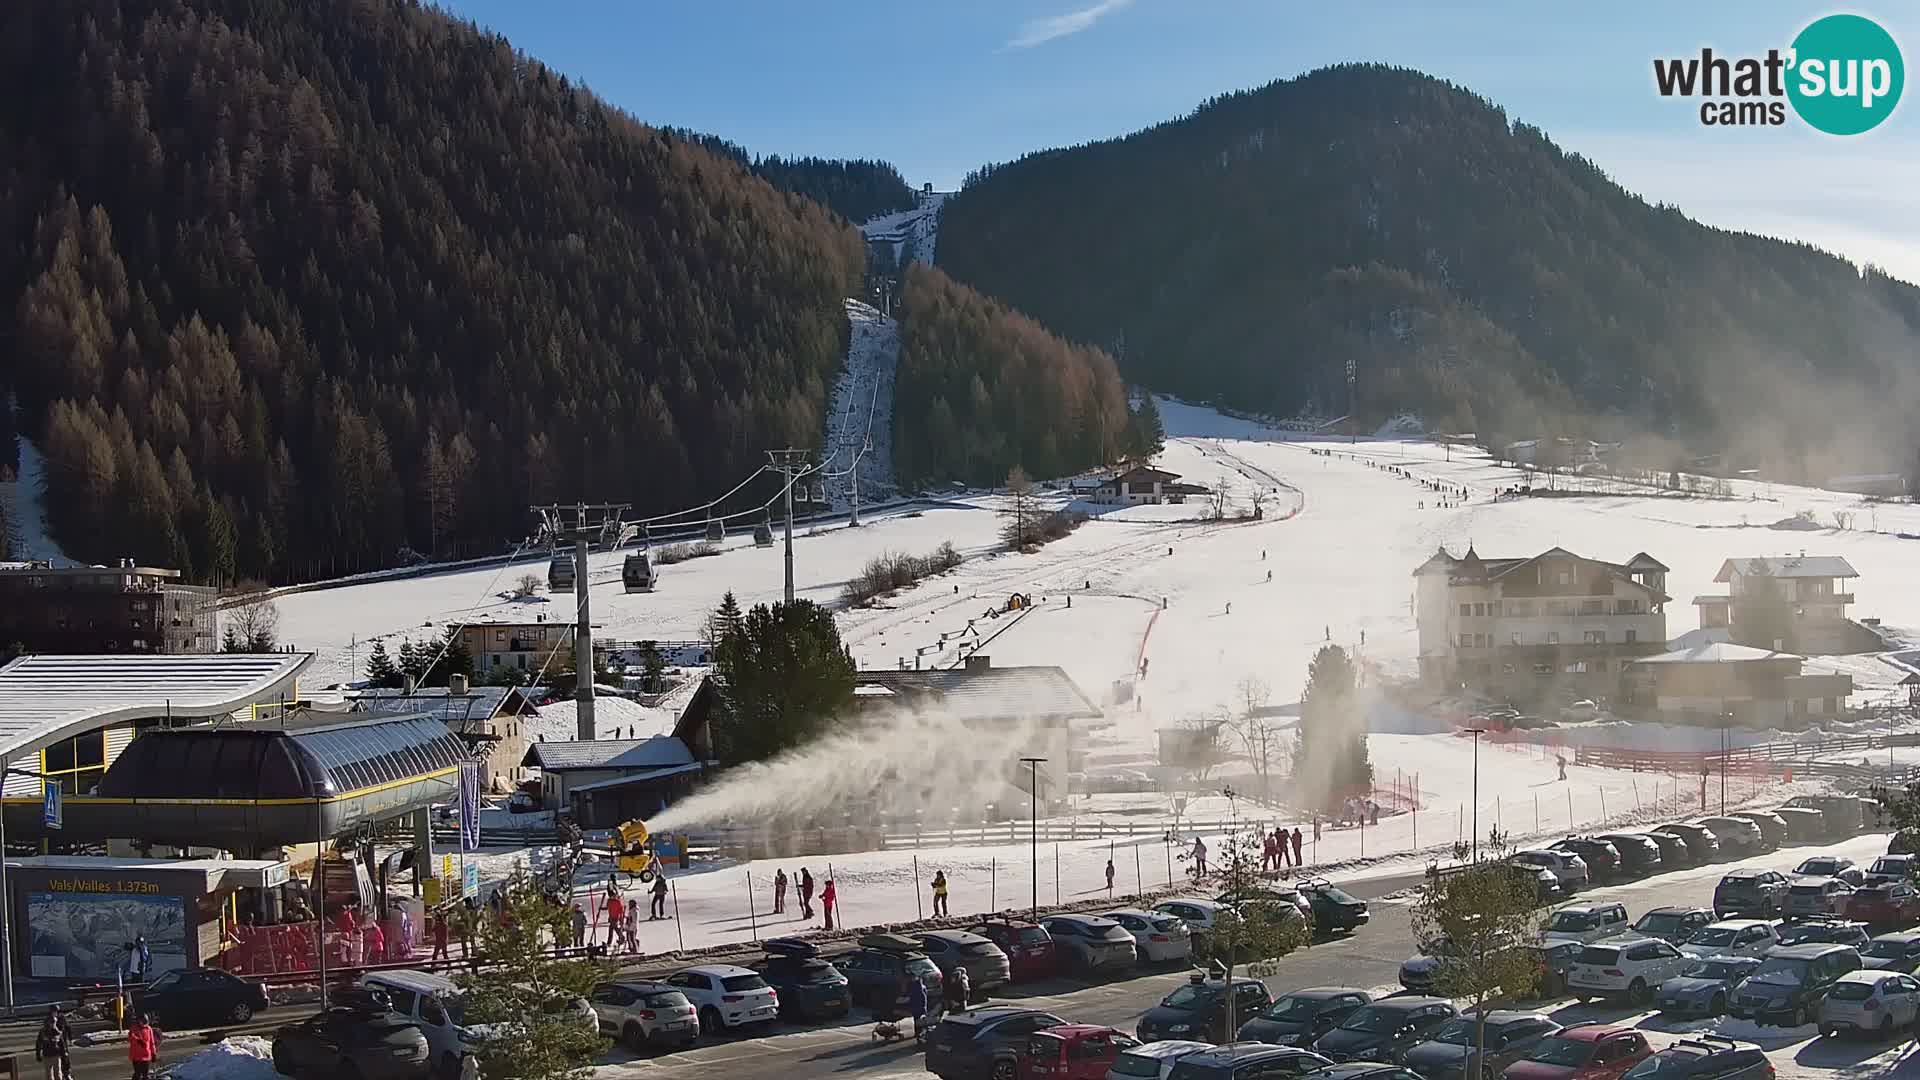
(1479, 609)
(1591, 607)
(76, 763)
(1563, 577)
(1483, 641)
(1832, 705)
(1516, 639)
(1578, 667)
(1543, 669)
(1596, 637)
(499, 636)
(1553, 637)
(1466, 611)
(1506, 669)
(1633, 636)
(1466, 641)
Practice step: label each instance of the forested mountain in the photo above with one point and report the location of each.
(982, 388)
(856, 190)
(1378, 225)
(292, 285)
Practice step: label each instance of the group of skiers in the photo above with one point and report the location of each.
(803, 889)
(623, 919)
(1276, 845)
(53, 1047)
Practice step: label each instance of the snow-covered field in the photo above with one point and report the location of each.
(22, 498)
(861, 411)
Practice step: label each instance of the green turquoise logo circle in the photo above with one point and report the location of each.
(1847, 74)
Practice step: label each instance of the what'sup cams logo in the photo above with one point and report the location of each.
(1842, 75)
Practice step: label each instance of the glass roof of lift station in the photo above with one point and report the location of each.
(294, 759)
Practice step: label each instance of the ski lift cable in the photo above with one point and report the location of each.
(465, 616)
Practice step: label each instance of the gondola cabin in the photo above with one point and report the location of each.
(763, 534)
(560, 574)
(637, 572)
(716, 532)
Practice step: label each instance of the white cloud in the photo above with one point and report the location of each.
(1041, 31)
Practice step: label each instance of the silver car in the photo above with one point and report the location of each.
(1090, 943)
(645, 1015)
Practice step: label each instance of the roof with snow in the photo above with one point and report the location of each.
(990, 693)
(1792, 566)
(640, 777)
(478, 703)
(1472, 565)
(658, 752)
(47, 698)
(1718, 652)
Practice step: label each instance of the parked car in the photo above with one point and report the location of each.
(1639, 855)
(1602, 858)
(1843, 813)
(1705, 1057)
(1153, 1061)
(1029, 948)
(1805, 825)
(1630, 969)
(1884, 902)
(1672, 924)
(646, 1015)
(1791, 982)
(1704, 846)
(1895, 867)
(727, 996)
(1303, 1016)
(1249, 1063)
(987, 966)
(1384, 1029)
(1704, 987)
(1570, 873)
(1904, 842)
(185, 997)
(1876, 1002)
(1362, 1070)
(984, 1044)
(1197, 1009)
(360, 1035)
(435, 1004)
(1810, 896)
(1090, 943)
(877, 972)
(1732, 937)
(1739, 838)
(1199, 915)
(1898, 951)
(1333, 909)
(1555, 960)
(1824, 931)
(1831, 866)
(1158, 938)
(1269, 894)
(1674, 852)
(1448, 1052)
(1073, 1052)
(809, 987)
(1752, 892)
(1585, 922)
(1582, 1052)
(1773, 827)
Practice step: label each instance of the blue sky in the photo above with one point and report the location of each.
(942, 88)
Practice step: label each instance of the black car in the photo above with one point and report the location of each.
(1247, 1063)
(1773, 827)
(1198, 1010)
(1791, 982)
(1704, 1057)
(1898, 951)
(189, 996)
(1700, 840)
(1603, 859)
(1672, 925)
(876, 973)
(1639, 855)
(809, 988)
(1384, 1029)
(1363, 1070)
(983, 1044)
(1303, 1016)
(1675, 854)
(1448, 1050)
(358, 1035)
(1555, 958)
(1334, 909)
(1825, 931)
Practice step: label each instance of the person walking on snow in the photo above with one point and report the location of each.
(939, 893)
(143, 1046)
(579, 925)
(1109, 876)
(1199, 855)
(616, 919)
(633, 924)
(659, 909)
(806, 893)
(439, 937)
(51, 1046)
(1266, 853)
(1280, 839)
(827, 897)
(779, 891)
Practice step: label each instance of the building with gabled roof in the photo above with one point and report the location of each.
(604, 782)
(1808, 590)
(1143, 484)
(1723, 682)
(1527, 628)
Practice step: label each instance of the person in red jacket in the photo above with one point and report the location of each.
(143, 1046)
(828, 896)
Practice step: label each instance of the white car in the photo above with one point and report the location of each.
(645, 1015)
(1633, 968)
(1154, 1060)
(1569, 870)
(1158, 937)
(1879, 1002)
(1199, 915)
(1732, 937)
(1586, 922)
(726, 996)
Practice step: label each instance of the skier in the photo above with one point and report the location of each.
(806, 893)
(659, 908)
(616, 919)
(828, 894)
(1229, 607)
(779, 891)
(1561, 760)
(939, 893)
(1269, 575)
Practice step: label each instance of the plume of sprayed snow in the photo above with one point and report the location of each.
(890, 764)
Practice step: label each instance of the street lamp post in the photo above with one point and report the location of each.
(1726, 720)
(1033, 826)
(1476, 733)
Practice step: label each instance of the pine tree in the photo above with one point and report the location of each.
(725, 620)
(454, 657)
(1330, 760)
(413, 660)
(653, 665)
(1145, 434)
(381, 672)
(783, 675)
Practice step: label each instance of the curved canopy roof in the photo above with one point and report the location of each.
(47, 698)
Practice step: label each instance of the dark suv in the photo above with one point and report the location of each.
(1791, 982)
(983, 1044)
(1247, 1063)
(1701, 842)
(1758, 894)
(1704, 1057)
(1198, 1010)
(1602, 858)
(1639, 855)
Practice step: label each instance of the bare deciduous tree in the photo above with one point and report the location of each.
(526, 586)
(253, 625)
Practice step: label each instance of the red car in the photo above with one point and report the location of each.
(1884, 903)
(1029, 948)
(1582, 1052)
(1073, 1052)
